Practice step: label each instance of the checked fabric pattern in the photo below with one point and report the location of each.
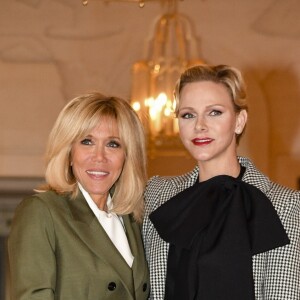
(276, 273)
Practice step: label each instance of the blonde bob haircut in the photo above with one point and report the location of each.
(230, 77)
(74, 122)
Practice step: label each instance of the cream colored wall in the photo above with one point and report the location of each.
(51, 51)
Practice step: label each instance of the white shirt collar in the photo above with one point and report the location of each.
(93, 205)
(112, 224)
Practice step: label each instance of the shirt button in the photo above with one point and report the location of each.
(144, 287)
(112, 286)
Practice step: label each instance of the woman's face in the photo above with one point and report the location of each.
(208, 122)
(97, 160)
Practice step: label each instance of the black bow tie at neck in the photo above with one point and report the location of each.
(214, 228)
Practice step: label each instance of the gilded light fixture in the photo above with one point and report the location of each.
(171, 50)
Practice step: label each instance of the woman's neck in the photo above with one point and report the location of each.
(208, 170)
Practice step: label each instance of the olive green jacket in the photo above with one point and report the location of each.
(58, 250)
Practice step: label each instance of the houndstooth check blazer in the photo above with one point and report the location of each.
(276, 273)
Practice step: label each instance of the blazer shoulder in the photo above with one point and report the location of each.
(156, 182)
(283, 198)
(51, 196)
(279, 189)
(160, 189)
(44, 202)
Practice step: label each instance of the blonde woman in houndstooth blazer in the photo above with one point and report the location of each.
(223, 230)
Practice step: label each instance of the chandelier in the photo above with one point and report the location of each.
(171, 50)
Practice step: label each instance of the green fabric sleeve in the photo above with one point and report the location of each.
(31, 249)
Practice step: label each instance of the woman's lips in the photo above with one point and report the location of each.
(97, 174)
(202, 141)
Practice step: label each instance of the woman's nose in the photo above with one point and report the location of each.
(99, 154)
(200, 124)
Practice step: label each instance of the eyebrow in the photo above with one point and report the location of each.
(109, 137)
(187, 107)
(209, 106)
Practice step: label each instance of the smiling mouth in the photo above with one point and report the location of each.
(97, 173)
(201, 142)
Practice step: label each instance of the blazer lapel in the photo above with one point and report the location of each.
(94, 236)
(185, 181)
(136, 245)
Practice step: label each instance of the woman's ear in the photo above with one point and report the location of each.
(241, 121)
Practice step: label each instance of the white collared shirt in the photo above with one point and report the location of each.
(112, 224)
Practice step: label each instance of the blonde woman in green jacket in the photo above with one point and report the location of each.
(79, 237)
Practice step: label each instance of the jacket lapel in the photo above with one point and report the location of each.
(185, 181)
(94, 236)
(135, 241)
(254, 176)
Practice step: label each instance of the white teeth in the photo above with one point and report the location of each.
(97, 173)
(203, 140)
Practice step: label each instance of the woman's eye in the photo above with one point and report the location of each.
(187, 116)
(114, 144)
(215, 113)
(86, 142)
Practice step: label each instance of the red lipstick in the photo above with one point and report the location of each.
(202, 141)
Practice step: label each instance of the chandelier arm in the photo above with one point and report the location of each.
(181, 38)
(159, 38)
